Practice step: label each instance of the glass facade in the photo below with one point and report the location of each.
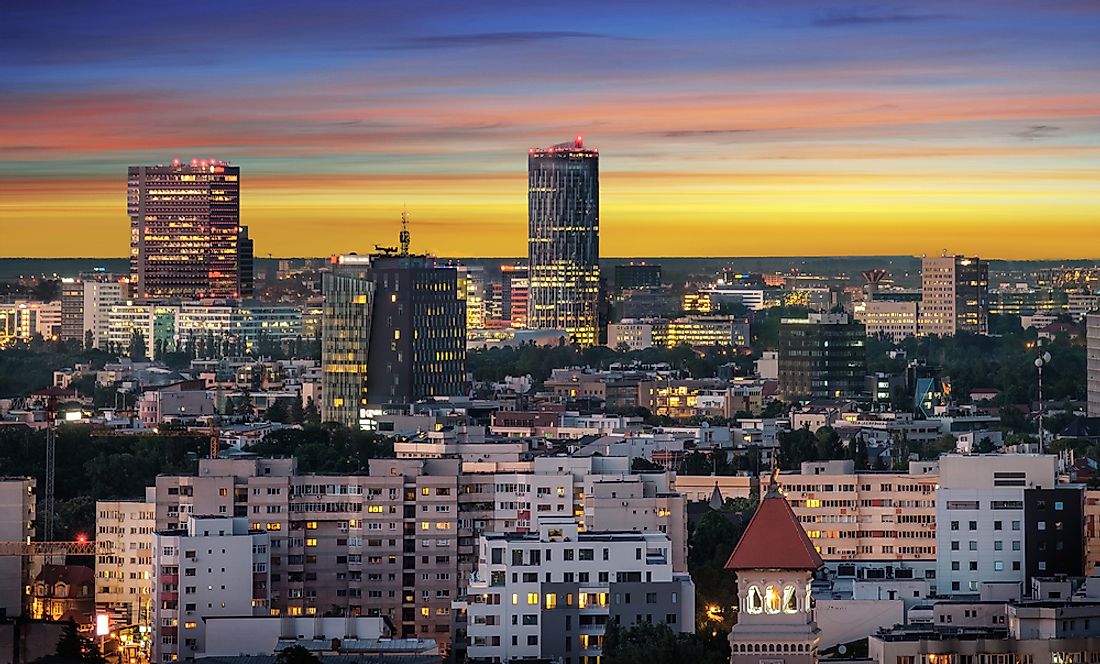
(563, 205)
(186, 240)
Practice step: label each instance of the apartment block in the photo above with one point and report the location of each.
(980, 515)
(549, 594)
(865, 516)
(124, 559)
(217, 566)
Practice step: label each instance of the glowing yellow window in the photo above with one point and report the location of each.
(551, 600)
(515, 599)
(425, 491)
(424, 525)
(311, 525)
(425, 612)
(813, 502)
(311, 541)
(533, 598)
(374, 509)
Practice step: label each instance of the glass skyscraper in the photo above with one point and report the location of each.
(563, 240)
(186, 238)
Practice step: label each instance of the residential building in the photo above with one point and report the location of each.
(775, 564)
(980, 518)
(954, 295)
(154, 323)
(563, 205)
(17, 518)
(822, 356)
(1054, 538)
(186, 238)
(549, 594)
(124, 558)
(217, 566)
(22, 320)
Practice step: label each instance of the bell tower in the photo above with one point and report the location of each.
(775, 564)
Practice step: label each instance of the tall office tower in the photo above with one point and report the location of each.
(1093, 371)
(186, 238)
(954, 295)
(394, 332)
(514, 295)
(822, 357)
(72, 310)
(563, 240)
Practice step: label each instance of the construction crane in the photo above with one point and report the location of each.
(51, 462)
(61, 548)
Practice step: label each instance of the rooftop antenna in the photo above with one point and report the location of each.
(404, 237)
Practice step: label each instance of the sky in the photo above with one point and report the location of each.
(745, 128)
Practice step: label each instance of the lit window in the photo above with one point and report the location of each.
(771, 599)
(551, 600)
(533, 598)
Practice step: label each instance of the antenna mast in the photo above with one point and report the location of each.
(404, 237)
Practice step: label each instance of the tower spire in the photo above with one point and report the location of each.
(405, 238)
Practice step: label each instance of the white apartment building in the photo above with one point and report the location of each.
(17, 516)
(99, 297)
(549, 594)
(980, 518)
(124, 558)
(152, 321)
(1093, 372)
(218, 566)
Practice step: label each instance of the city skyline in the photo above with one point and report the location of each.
(811, 129)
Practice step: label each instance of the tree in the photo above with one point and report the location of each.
(296, 655)
(297, 414)
(827, 443)
(795, 447)
(311, 415)
(276, 412)
(658, 644)
(137, 347)
(643, 465)
(89, 340)
(74, 647)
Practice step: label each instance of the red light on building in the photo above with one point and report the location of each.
(81, 537)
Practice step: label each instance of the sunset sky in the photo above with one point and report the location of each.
(732, 128)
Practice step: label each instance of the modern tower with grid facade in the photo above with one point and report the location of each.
(563, 240)
(186, 238)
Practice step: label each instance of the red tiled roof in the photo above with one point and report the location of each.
(774, 540)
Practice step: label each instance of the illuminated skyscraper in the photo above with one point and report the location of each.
(186, 238)
(563, 240)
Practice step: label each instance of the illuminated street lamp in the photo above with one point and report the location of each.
(1040, 361)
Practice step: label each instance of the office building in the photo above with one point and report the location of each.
(695, 331)
(154, 323)
(775, 564)
(954, 295)
(549, 594)
(638, 276)
(217, 566)
(980, 518)
(124, 558)
(896, 321)
(17, 518)
(394, 332)
(186, 238)
(1093, 369)
(563, 240)
(1054, 532)
(822, 356)
(514, 295)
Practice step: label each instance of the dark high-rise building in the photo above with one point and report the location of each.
(954, 296)
(638, 277)
(393, 332)
(1054, 532)
(822, 357)
(563, 240)
(186, 238)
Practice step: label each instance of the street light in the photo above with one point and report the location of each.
(1043, 359)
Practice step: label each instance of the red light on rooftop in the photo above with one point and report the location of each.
(194, 162)
(578, 141)
(175, 162)
(81, 537)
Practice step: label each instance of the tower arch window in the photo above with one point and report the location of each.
(771, 599)
(790, 600)
(755, 603)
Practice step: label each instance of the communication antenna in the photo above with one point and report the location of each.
(404, 238)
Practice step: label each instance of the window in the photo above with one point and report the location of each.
(533, 598)
(790, 601)
(755, 602)
(771, 599)
(998, 566)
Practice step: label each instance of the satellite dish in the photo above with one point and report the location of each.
(842, 649)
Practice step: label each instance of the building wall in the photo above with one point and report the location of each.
(1093, 371)
(17, 517)
(124, 560)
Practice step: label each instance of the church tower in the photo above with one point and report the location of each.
(775, 564)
